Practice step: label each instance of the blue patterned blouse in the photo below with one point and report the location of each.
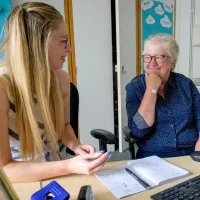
(177, 117)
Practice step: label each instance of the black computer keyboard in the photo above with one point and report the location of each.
(188, 190)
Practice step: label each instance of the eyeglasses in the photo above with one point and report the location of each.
(157, 58)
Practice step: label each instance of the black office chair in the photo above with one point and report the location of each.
(74, 110)
(106, 137)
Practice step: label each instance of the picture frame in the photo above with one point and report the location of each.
(5, 8)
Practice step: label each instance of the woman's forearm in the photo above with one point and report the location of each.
(147, 107)
(69, 138)
(19, 171)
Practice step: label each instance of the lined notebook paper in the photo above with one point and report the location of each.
(153, 170)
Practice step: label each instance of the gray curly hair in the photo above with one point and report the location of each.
(167, 41)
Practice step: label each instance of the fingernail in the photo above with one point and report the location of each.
(101, 151)
(109, 153)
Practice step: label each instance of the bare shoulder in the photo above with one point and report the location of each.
(62, 75)
(4, 105)
(64, 81)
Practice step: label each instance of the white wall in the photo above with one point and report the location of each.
(197, 12)
(92, 29)
(183, 35)
(187, 34)
(196, 39)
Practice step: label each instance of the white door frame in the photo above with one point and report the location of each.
(126, 58)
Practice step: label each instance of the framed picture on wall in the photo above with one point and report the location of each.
(5, 8)
(157, 16)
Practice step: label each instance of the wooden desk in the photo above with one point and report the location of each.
(73, 183)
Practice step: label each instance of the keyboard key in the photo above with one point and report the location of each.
(197, 194)
(191, 197)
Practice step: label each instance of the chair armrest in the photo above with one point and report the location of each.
(128, 137)
(105, 136)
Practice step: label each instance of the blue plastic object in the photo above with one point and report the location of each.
(52, 188)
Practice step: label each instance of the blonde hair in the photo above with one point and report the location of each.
(167, 41)
(28, 31)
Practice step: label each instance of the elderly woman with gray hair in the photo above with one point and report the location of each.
(163, 107)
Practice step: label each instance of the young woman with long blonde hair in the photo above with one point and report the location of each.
(34, 99)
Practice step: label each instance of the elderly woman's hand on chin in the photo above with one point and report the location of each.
(152, 81)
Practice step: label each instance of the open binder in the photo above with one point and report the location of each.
(153, 170)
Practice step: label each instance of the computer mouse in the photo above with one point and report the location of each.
(195, 155)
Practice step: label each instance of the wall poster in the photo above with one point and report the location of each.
(157, 16)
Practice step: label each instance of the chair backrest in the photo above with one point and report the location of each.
(74, 108)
